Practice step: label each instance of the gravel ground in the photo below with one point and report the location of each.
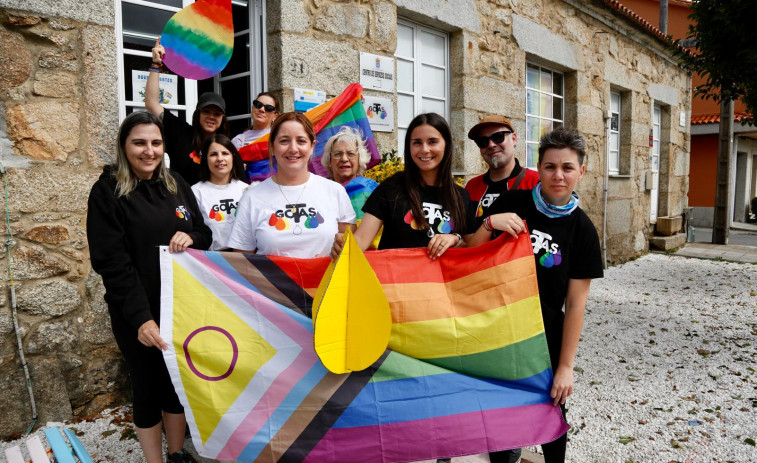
(665, 371)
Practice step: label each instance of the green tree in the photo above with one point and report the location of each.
(724, 37)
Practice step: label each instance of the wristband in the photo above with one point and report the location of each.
(459, 239)
(156, 67)
(488, 224)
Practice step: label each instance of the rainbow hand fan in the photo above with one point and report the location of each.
(199, 39)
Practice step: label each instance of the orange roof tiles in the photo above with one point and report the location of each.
(714, 118)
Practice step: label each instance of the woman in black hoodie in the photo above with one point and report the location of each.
(136, 206)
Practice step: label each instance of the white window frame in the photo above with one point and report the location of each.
(418, 64)
(616, 104)
(258, 58)
(561, 96)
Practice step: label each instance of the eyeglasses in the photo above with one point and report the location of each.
(496, 137)
(269, 108)
(350, 154)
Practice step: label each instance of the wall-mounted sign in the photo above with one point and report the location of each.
(380, 113)
(376, 72)
(305, 99)
(168, 84)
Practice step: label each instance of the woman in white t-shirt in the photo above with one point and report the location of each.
(220, 187)
(294, 213)
(265, 108)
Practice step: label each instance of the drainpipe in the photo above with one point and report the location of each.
(605, 189)
(664, 16)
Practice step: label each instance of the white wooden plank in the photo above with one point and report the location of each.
(37, 450)
(13, 455)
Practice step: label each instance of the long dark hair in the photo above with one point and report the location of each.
(197, 136)
(237, 168)
(412, 181)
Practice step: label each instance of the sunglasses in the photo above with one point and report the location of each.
(496, 137)
(269, 108)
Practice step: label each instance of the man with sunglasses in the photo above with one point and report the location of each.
(495, 137)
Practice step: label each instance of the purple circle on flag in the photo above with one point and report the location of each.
(234, 357)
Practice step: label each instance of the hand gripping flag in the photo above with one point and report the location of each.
(467, 369)
(328, 118)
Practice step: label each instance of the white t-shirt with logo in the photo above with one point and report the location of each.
(294, 221)
(218, 204)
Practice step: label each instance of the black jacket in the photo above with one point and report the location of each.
(124, 234)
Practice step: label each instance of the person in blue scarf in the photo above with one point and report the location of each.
(567, 253)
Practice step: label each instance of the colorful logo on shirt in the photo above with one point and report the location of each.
(182, 213)
(297, 214)
(220, 212)
(486, 201)
(438, 219)
(195, 157)
(541, 241)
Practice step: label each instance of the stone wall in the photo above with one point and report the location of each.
(58, 117)
(316, 44)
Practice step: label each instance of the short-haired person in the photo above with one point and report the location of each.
(220, 187)
(496, 139)
(135, 206)
(183, 142)
(293, 213)
(265, 108)
(345, 159)
(567, 253)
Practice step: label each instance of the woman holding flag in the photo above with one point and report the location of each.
(420, 206)
(567, 253)
(293, 213)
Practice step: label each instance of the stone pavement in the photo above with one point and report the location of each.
(741, 247)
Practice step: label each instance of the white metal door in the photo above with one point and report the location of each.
(654, 163)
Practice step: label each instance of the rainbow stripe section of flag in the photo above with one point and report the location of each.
(199, 39)
(328, 118)
(467, 370)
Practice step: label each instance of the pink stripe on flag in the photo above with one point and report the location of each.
(267, 405)
(445, 436)
(268, 308)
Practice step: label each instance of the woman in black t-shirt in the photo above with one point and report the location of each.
(567, 253)
(183, 141)
(420, 206)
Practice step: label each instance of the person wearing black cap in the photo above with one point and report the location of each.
(496, 138)
(183, 142)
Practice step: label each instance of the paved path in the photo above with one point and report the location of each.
(741, 247)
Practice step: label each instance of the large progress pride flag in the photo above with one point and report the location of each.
(467, 369)
(328, 118)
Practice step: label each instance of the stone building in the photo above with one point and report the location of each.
(71, 72)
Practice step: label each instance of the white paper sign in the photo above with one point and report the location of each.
(380, 113)
(169, 84)
(305, 99)
(376, 72)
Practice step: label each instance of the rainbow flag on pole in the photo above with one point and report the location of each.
(327, 118)
(467, 370)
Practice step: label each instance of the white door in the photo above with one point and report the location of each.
(654, 163)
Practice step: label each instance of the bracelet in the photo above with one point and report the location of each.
(459, 239)
(488, 224)
(156, 67)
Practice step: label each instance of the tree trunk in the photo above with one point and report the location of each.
(723, 186)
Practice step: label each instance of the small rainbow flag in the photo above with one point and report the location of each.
(328, 118)
(467, 370)
(199, 39)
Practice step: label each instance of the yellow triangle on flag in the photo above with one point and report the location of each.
(351, 314)
(222, 354)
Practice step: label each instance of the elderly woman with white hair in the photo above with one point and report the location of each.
(345, 158)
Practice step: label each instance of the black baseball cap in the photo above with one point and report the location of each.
(210, 98)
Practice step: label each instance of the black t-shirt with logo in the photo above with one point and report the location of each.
(178, 144)
(390, 204)
(564, 248)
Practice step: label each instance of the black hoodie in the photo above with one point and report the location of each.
(124, 234)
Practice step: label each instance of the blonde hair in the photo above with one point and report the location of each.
(126, 180)
(351, 137)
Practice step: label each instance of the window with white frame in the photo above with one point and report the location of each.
(614, 142)
(138, 25)
(422, 74)
(545, 103)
